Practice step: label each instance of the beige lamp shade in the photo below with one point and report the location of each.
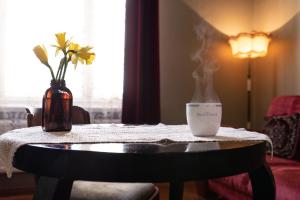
(249, 45)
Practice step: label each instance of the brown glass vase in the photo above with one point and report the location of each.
(57, 107)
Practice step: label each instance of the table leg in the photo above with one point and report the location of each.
(263, 183)
(53, 189)
(176, 190)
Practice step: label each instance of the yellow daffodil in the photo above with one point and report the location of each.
(90, 60)
(62, 43)
(41, 52)
(72, 52)
(74, 47)
(83, 55)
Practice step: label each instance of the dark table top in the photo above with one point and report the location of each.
(141, 162)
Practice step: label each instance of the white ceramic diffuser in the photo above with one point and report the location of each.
(204, 113)
(204, 119)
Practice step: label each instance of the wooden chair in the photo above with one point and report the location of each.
(80, 116)
(85, 190)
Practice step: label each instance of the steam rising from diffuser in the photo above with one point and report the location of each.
(207, 65)
(204, 113)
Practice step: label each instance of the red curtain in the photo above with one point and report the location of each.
(141, 99)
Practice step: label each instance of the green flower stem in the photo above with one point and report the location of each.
(65, 68)
(59, 70)
(50, 68)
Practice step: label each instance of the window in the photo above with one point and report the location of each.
(24, 24)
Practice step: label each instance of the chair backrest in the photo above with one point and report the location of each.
(79, 116)
(284, 105)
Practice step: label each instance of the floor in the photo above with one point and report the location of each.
(190, 193)
(19, 197)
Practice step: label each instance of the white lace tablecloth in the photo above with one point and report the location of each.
(99, 133)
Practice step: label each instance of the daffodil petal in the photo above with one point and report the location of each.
(62, 43)
(90, 60)
(41, 52)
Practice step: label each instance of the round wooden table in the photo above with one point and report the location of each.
(58, 165)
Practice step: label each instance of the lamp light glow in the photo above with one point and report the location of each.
(249, 45)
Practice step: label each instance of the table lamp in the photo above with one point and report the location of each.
(249, 45)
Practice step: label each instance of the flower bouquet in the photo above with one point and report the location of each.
(72, 52)
(58, 100)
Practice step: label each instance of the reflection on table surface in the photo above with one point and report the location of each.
(166, 147)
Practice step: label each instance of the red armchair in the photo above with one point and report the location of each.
(286, 171)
